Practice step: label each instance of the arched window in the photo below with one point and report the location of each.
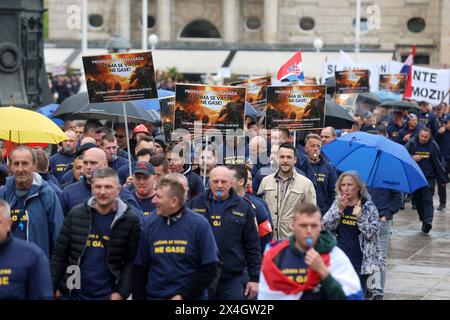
(200, 29)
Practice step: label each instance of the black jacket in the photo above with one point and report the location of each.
(438, 161)
(123, 244)
(237, 237)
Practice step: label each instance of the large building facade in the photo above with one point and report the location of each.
(392, 25)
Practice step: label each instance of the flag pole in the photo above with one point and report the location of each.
(125, 119)
(204, 161)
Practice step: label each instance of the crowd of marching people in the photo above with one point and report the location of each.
(205, 219)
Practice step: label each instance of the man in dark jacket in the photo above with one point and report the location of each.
(24, 268)
(178, 257)
(324, 173)
(443, 140)
(93, 160)
(428, 118)
(109, 145)
(177, 161)
(233, 222)
(35, 208)
(100, 237)
(62, 161)
(410, 130)
(426, 153)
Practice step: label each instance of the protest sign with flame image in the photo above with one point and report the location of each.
(256, 91)
(352, 81)
(295, 107)
(120, 77)
(214, 107)
(393, 82)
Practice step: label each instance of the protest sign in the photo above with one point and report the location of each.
(347, 101)
(393, 82)
(295, 107)
(256, 91)
(167, 105)
(352, 81)
(374, 76)
(428, 84)
(120, 77)
(214, 107)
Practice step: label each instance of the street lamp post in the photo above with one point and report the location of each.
(318, 44)
(144, 24)
(153, 39)
(357, 29)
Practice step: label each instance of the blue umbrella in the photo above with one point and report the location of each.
(49, 110)
(380, 162)
(153, 104)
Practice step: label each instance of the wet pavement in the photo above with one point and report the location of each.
(419, 263)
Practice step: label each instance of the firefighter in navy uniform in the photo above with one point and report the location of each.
(233, 223)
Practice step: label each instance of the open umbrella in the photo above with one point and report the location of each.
(380, 162)
(113, 111)
(336, 116)
(26, 126)
(80, 101)
(368, 97)
(49, 110)
(399, 105)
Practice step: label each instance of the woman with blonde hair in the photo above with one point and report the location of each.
(354, 219)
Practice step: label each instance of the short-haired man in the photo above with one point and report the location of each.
(178, 256)
(324, 172)
(328, 134)
(93, 160)
(42, 162)
(109, 145)
(233, 222)
(101, 237)
(284, 189)
(177, 165)
(144, 185)
(63, 160)
(308, 265)
(160, 165)
(263, 218)
(100, 132)
(76, 173)
(35, 209)
(425, 151)
(146, 143)
(24, 268)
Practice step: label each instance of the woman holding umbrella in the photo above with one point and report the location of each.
(354, 219)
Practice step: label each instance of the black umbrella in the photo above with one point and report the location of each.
(71, 105)
(336, 116)
(78, 107)
(400, 105)
(368, 97)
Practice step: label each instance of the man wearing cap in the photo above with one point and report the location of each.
(395, 125)
(63, 160)
(443, 140)
(410, 129)
(140, 131)
(144, 184)
(160, 144)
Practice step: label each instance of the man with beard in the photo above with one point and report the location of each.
(63, 160)
(285, 189)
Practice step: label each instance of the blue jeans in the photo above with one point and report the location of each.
(423, 199)
(379, 277)
(229, 289)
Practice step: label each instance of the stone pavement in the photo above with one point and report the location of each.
(419, 263)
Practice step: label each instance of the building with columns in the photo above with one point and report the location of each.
(387, 25)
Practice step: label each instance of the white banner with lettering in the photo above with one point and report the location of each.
(428, 84)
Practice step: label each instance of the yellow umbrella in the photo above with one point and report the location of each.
(26, 126)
